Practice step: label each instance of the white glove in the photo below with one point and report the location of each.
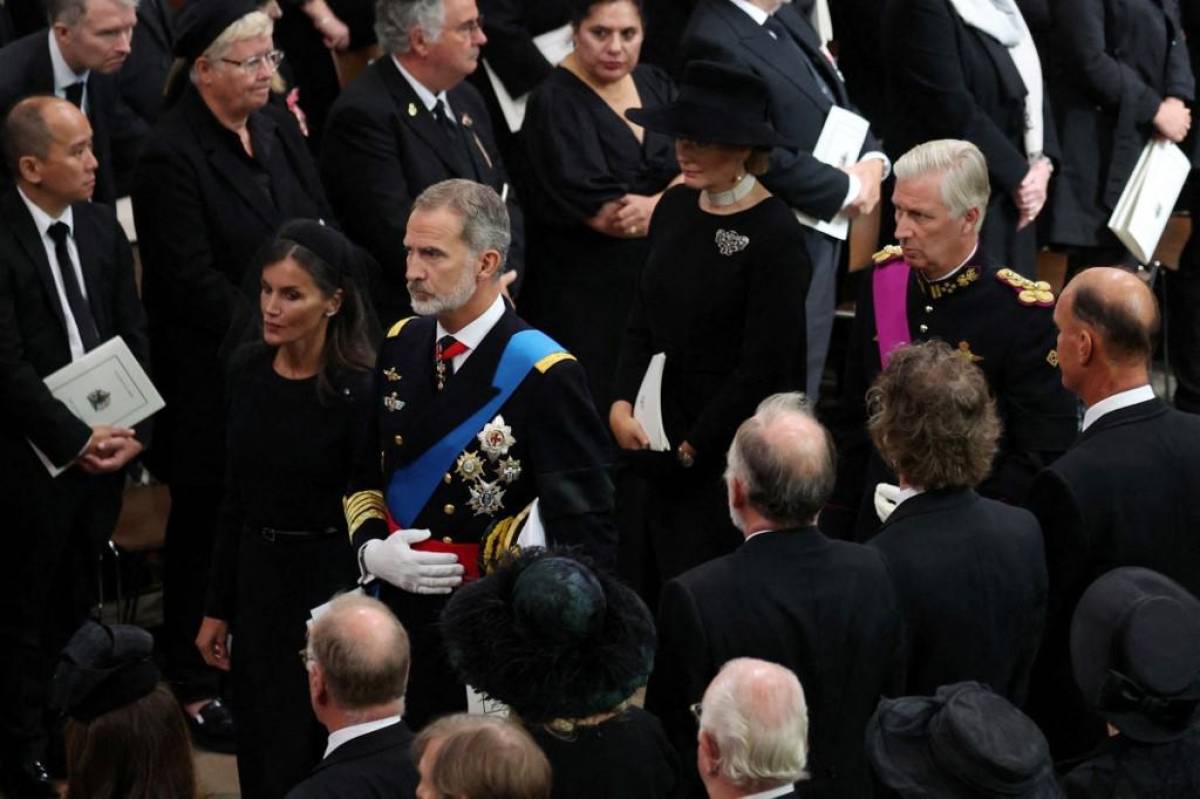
(886, 498)
(395, 561)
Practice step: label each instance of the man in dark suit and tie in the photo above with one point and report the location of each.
(66, 285)
(407, 122)
(358, 657)
(778, 43)
(825, 609)
(1124, 494)
(76, 58)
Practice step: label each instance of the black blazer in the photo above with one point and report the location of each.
(1123, 495)
(823, 608)
(971, 577)
(382, 148)
(373, 766)
(33, 334)
(1116, 61)
(720, 31)
(25, 69)
(201, 217)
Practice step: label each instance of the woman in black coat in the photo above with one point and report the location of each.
(950, 77)
(218, 175)
(1122, 77)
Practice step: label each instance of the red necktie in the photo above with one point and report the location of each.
(444, 352)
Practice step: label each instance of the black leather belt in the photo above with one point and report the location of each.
(272, 535)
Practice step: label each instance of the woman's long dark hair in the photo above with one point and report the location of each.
(350, 336)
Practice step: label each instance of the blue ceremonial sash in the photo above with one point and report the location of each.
(411, 486)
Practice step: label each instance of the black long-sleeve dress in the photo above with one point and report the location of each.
(723, 297)
(290, 451)
(582, 155)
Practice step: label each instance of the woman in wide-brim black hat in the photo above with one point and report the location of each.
(568, 649)
(722, 295)
(1135, 651)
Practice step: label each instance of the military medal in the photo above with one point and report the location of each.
(469, 466)
(495, 438)
(392, 402)
(964, 352)
(509, 469)
(486, 498)
(391, 374)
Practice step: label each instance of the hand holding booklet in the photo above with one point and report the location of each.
(840, 144)
(1145, 205)
(106, 386)
(647, 407)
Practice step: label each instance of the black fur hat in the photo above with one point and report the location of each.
(550, 637)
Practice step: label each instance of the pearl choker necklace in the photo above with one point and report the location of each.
(739, 191)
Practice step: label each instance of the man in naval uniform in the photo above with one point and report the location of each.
(935, 284)
(478, 416)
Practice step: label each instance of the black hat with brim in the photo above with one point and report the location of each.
(965, 741)
(202, 21)
(717, 103)
(1135, 651)
(550, 637)
(103, 668)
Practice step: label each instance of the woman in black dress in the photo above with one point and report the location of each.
(722, 295)
(596, 179)
(297, 399)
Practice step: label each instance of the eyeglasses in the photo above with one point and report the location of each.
(251, 65)
(470, 27)
(697, 710)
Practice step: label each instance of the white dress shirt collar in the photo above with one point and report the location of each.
(346, 734)
(1115, 403)
(64, 76)
(428, 98)
(907, 492)
(42, 220)
(782, 790)
(473, 333)
(757, 14)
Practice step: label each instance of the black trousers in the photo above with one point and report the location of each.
(188, 549)
(48, 580)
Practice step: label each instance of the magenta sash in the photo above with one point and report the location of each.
(889, 285)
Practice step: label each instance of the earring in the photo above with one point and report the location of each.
(330, 313)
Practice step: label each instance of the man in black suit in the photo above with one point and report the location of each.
(753, 721)
(1124, 494)
(779, 44)
(823, 608)
(77, 58)
(358, 659)
(970, 572)
(407, 122)
(478, 416)
(66, 285)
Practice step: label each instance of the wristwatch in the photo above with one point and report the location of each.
(685, 460)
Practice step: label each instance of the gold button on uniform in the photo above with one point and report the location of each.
(446, 478)
(399, 440)
(924, 328)
(928, 309)
(447, 540)
(448, 510)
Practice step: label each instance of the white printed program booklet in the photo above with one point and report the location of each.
(840, 144)
(555, 45)
(1141, 213)
(647, 408)
(105, 386)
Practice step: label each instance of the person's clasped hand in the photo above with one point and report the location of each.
(1173, 119)
(1030, 195)
(393, 560)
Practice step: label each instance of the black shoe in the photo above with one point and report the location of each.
(212, 728)
(27, 779)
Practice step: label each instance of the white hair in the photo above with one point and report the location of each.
(964, 174)
(394, 19)
(755, 713)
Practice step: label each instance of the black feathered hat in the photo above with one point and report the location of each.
(103, 668)
(1135, 650)
(550, 637)
(717, 103)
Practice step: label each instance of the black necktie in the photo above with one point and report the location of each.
(79, 308)
(443, 117)
(784, 36)
(461, 151)
(75, 94)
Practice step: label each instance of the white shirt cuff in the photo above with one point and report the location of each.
(879, 156)
(853, 187)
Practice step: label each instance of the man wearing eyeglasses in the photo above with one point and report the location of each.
(219, 174)
(77, 58)
(407, 122)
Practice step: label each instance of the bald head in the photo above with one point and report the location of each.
(1120, 308)
(755, 715)
(784, 458)
(362, 651)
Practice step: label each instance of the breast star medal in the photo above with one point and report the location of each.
(469, 466)
(495, 438)
(509, 469)
(486, 498)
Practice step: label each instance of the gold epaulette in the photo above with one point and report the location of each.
(1029, 292)
(395, 329)
(888, 253)
(544, 364)
(361, 506)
